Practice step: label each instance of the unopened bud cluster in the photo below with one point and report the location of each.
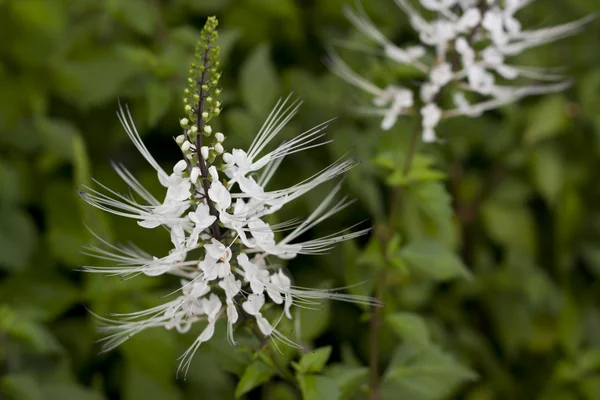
(200, 97)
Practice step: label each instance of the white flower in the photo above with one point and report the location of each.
(471, 44)
(221, 246)
(252, 306)
(201, 217)
(252, 274)
(220, 195)
(431, 117)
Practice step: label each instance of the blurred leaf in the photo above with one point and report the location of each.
(137, 14)
(157, 364)
(361, 267)
(38, 295)
(548, 173)
(590, 387)
(313, 361)
(226, 42)
(18, 238)
(546, 119)
(259, 84)
(422, 169)
(569, 325)
(410, 327)
(207, 6)
(95, 80)
(434, 201)
(20, 387)
(11, 183)
(140, 385)
(235, 362)
(159, 96)
(434, 259)
(318, 387)
(348, 379)
(509, 225)
(63, 391)
(66, 234)
(33, 333)
(422, 374)
(280, 391)
(313, 322)
(255, 374)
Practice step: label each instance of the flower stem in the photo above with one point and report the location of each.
(202, 163)
(282, 371)
(384, 236)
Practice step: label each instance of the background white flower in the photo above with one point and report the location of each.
(465, 48)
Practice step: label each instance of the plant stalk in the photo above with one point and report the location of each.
(384, 236)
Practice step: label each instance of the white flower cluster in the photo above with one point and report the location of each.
(226, 223)
(467, 45)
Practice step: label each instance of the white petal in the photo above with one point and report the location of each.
(264, 325)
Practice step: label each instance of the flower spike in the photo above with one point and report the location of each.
(214, 205)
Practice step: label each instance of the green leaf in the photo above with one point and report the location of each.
(434, 202)
(423, 373)
(42, 296)
(255, 374)
(18, 238)
(157, 364)
(547, 119)
(95, 80)
(137, 14)
(361, 266)
(140, 385)
(348, 379)
(29, 331)
(434, 259)
(21, 387)
(421, 170)
(318, 387)
(57, 136)
(313, 361)
(159, 97)
(280, 391)
(409, 326)
(259, 84)
(62, 391)
(509, 224)
(314, 322)
(12, 182)
(548, 173)
(235, 362)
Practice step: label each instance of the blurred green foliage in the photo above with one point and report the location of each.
(508, 201)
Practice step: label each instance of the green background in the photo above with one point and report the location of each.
(513, 193)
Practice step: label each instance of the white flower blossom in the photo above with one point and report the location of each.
(234, 269)
(472, 43)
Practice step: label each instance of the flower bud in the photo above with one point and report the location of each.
(184, 122)
(195, 174)
(204, 151)
(180, 139)
(208, 129)
(219, 148)
(186, 145)
(219, 136)
(228, 158)
(193, 129)
(180, 167)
